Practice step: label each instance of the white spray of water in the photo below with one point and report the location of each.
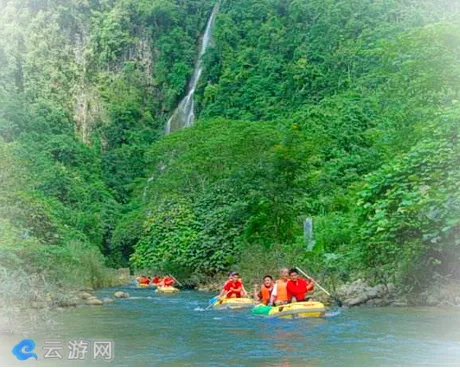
(333, 313)
(184, 114)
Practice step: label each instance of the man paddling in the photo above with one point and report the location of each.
(233, 288)
(297, 288)
(279, 294)
(156, 280)
(143, 280)
(167, 281)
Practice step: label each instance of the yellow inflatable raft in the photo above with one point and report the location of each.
(143, 285)
(233, 303)
(298, 310)
(167, 290)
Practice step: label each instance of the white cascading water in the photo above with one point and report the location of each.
(184, 115)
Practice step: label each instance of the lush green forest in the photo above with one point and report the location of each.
(85, 88)
(343, 111)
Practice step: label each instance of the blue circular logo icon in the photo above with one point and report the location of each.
(24, 350)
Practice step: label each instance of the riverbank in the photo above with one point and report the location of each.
(31, 300)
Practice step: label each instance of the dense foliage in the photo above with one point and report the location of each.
(361, 102)
(85, 88)
(343, 111)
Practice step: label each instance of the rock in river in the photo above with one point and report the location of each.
(94, 301)
(121, 294)
(85, 295)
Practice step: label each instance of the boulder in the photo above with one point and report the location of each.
(359, 292)
(65, 301)
(121, 294)
(354, 289)
(391, 288)
(373, 293)
(382, 290)
(71, 302)
(356, 301)
(94, 301)
(374, 302)
(85, 295)
(107, 300)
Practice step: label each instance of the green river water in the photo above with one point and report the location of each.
(149, 329)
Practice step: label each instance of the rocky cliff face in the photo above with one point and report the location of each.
(360, 293)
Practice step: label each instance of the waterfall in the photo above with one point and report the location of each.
(308, 233)
(184, 115)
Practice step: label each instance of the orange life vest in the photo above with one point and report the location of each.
(168, 281)
(144, 280)
(281, 291)
(265, 293)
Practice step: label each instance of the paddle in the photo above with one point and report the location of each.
(212, 301)
(337, 300)
(176, 280)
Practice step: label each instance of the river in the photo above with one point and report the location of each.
(149, 329)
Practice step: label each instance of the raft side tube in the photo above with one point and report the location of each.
(166, 290)
(233, 303)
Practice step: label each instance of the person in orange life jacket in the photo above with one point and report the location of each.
(279, 294)
(297, 288)
(233, 288)
(167, 281)
(265, 292)
(143, 280)
(156, 280)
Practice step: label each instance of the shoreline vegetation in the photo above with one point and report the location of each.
(343, 112)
